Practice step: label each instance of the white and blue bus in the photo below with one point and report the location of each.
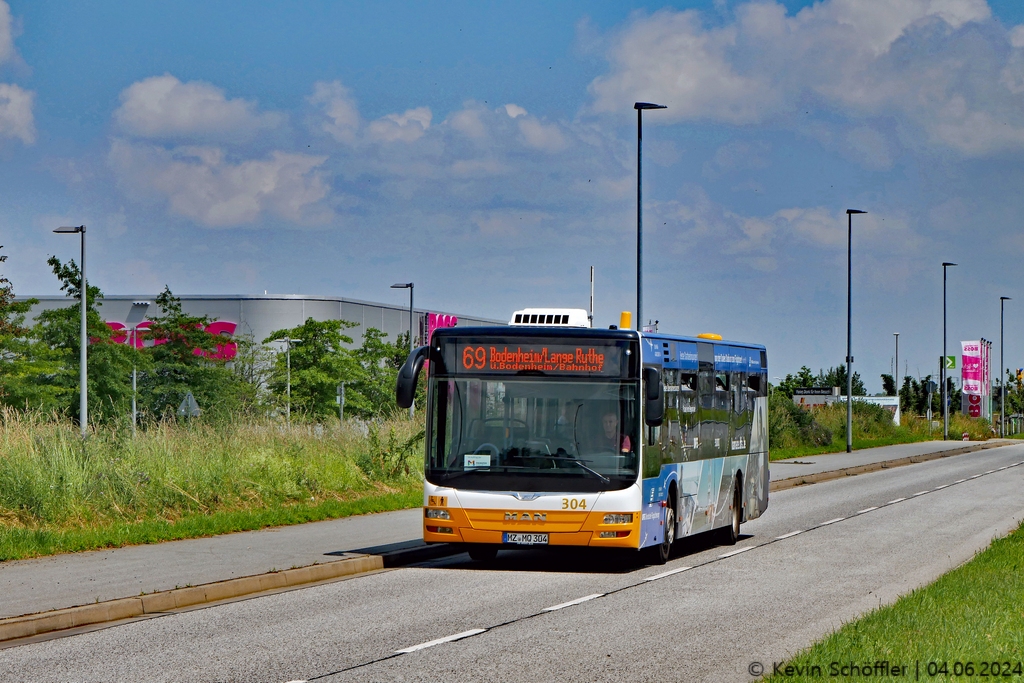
(550, 432)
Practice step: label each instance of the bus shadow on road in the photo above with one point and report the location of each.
(576, 560)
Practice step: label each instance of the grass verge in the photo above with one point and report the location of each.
(967, 625)
(176, 481)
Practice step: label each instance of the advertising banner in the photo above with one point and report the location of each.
(970, 367)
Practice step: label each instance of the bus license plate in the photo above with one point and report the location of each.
(524, 539)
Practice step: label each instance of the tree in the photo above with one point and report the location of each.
(182, 360)
(21, 362)
(836, 377)
(318, 365)
(380, 361)
(56, 353)
(888, 385)
(803, 379)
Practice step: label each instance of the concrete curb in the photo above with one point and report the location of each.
(802, 480)
(167, 601)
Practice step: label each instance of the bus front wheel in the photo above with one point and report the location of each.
(659, 554)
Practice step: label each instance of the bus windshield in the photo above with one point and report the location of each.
(529, 434)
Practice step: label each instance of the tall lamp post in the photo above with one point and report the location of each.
(288, 341)
(135, 316)
(896, 369)
(409, 286)
(849, 334)
(945, 398)
(1002, 372)
(83, 374)
(640, 107)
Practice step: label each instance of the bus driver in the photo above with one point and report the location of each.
(613, 441)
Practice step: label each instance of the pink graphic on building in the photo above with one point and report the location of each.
(225, 329)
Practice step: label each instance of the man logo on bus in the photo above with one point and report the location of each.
(525, 516)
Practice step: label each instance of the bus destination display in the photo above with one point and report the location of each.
(572, 359)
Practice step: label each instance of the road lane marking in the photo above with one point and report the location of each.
(939, 488)
(439, 641)
(919, 493)
(959, 481)
(789, 535)
(898, 500)
(867, 510)
(670, 572)
(577, 601)
(974, 476)
(737, 552)
(832, 521)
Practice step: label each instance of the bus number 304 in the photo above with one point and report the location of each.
(574, 503)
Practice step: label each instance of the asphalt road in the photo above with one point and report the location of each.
(847, 546)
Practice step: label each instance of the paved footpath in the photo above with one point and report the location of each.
(69, 580)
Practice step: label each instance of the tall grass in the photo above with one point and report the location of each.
(794, 431)
(50, 481)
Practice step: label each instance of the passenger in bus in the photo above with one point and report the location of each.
(614, 441)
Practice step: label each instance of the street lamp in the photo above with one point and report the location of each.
(640, 106)
(409, 286)
(83, 377)
(896, 370)
(135, 316)
(849, 337)
(942, 365)
(1002, 372)
(288, 341)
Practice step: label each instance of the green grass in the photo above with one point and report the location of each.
(974, 613)
(184, 481)
(794, 432)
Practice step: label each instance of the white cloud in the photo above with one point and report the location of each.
(514, 110)
(16, 120)
(468, 122)
(545, 137)
(941, 65)
(201, 184)
(407, 127)
(163, 106)
(339, 108)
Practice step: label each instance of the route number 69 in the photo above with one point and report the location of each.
(574, 503)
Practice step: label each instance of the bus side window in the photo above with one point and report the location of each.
(722, 391)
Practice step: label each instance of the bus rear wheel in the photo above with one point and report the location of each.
(731, 533)
(482, 553)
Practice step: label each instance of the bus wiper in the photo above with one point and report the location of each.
(578, 462)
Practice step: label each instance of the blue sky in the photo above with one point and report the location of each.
(487, 152)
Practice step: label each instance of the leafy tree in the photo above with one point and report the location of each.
(56, 355)
(253, 365)
(319, 363)
(836, 377)
(183, 361)
(888, 385)
(790, 384)
(20, 362)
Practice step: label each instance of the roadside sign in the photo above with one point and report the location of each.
(951, 362)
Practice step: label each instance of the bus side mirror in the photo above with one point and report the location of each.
(654, 399)
(405, 389)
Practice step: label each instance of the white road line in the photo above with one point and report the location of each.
(832, 521)
(298, 680)
(974, 476)
(867, 510)
(789, 535)
(919, 493)
(959, 481)
(990, 472)
(898, 500)
(670, 572)
(939, 488)
(737, 552)
(439, 641)
(572, 602)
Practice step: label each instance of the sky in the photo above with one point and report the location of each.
(487, 152)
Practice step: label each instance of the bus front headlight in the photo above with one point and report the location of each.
(437, 514)
(619, 518)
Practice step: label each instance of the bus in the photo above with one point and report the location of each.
(549, 432)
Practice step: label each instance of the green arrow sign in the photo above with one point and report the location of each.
(951, 362)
